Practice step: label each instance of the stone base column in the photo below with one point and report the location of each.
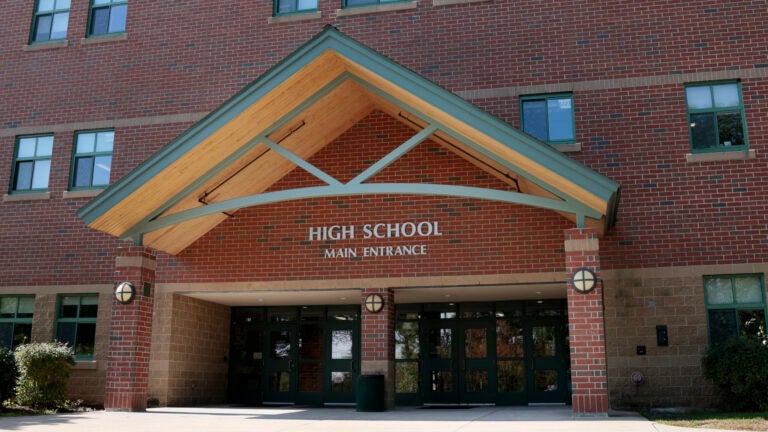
(377, 341)
(586, 325)
(130, 333)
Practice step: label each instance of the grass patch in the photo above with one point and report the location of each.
(732, 421)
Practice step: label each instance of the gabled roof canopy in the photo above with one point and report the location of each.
(230, 158)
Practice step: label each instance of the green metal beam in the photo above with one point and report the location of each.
(394, 155)
(293, 157)
(361, 189)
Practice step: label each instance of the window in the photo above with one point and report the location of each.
(50, 22)
(548, 118)
(32, 165)
(16, 320)
(107, 16)
(353, 3)
(293, 6)
(735, 307)
(76, 323)
(715, 117)
(92, 162)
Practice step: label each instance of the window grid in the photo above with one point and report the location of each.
(92, 160)
(76, 323)
(289, 7)
(549, 118)
(50, 21)
(732, 307)
(32, 164)
(15, 320)
(716, 117)
(107, 17)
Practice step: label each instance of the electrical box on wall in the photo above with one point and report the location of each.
(662, 336)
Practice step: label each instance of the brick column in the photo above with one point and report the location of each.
(130, 333)
(586, 326)
(377, 341)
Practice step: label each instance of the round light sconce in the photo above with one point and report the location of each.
(584, 280)
(125, 292)
(374, 303)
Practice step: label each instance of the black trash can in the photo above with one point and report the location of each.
(369, 393)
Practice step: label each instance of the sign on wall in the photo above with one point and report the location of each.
(415, 230)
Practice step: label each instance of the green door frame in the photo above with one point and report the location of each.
(557, 391)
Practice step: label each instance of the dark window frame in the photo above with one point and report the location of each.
(38, 16)
(76, 157)
(97, 8)
(714, 112)
(17, 320)
(34, 159)
(77, 321)
(295, 3)
(735, 307)
(548, 125)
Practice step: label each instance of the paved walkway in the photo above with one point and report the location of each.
(292, 419)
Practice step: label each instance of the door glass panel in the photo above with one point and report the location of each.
(477, 310)
(310, 342)
(475, 343)
(341, 344)
(441, 381)
(310, 377)
(344, 313)
(281, 314)
(440, 311)
(407, 377)
(510, 376)
(280, 344)
(341, 382)
(280, 381)
(545, 380)
(440, 343)
(407, 340)
(509, 339)
(312, 313)
(543, 341)
(476, 381)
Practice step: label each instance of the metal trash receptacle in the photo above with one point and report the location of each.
(369, 393)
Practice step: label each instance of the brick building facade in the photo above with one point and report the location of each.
(181, 103)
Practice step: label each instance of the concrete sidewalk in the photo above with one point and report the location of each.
(294, 419)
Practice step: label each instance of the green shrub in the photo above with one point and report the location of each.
(739, 369)
(43, 374)
(8, 374)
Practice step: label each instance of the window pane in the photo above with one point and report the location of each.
(69, 307)
(509, 339)
(307, 4)
(286, 6)
(718, 290)
(407, 340)
(440, 343)
(748, 289)
(22, 333)
(26, 147)
(26, 307)
(117, 18)
(24, 176)
(535, 119)
(406, 377)
(341, 344)
(101, 170)
(43, 28)
(698, 97)
(99, 20)
(360, 2)
(703, 130)
(41, 173)
(722, 325)
(729, 127)
(510, 376)
(101, 2)
(86, 336)
(6, 335)
(752, 324)
(59, 29)
(8, 307)
(89, 307)
(726, 95)
(83, 169)
(65, 333)
(44, 146)
(85, 143)
(104, 141)
(341, 382)
(45, 5)
(62, 4)
(560, 119)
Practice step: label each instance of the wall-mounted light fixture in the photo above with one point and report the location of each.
(124, 292)
(374, 303)
(584, 280)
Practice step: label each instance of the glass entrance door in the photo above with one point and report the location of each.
(546, 381)
(310, 356)
(280, 364)
(477, 378)
(342, 361)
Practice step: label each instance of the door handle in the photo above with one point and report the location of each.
(290, 365)
(533, 364)
(352, 365)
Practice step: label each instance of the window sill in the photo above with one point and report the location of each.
(46, 45)
(299, 16)
(104, 39)
(85, 365)
(90, 193)
(27, 197)
(568, 148)
(385, 7)
(455, 2)
(721, 156)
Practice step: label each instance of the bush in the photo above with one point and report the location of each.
(739, 369)
(43, 374)
(8, 374)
